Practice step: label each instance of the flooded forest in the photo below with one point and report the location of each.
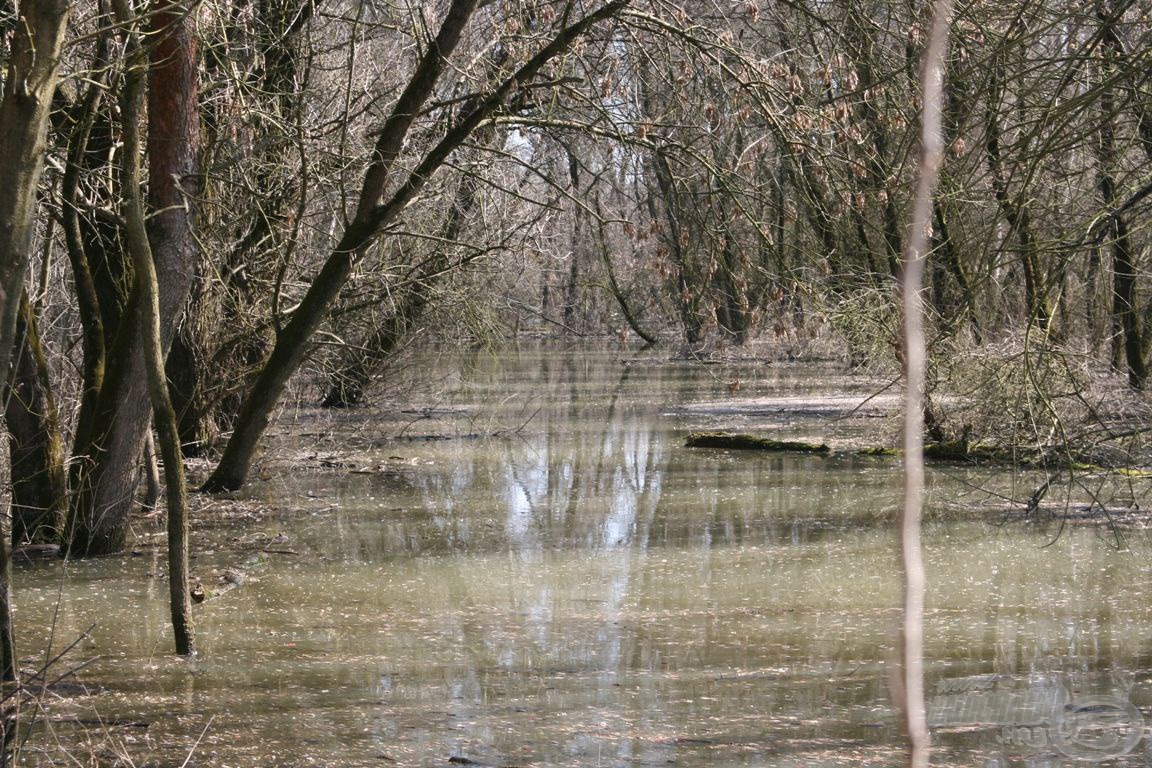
(575, 383)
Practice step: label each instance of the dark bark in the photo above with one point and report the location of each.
(166, 120)
(687, 297)
(613, 284)
(821, 219)
(1124, 303)
(946, 255)
(186, 370)
(371, 220)
(361, 363)
(573, 317)
(877, 162)
(39, 487)
(734, 312)
(663, 201)
(742, 442)
(28, 87)
(1015, 213)
(108, 475)
(29, 83)
(86, 114)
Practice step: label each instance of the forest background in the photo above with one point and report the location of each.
(211, 206)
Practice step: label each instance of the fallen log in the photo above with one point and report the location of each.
(742, 442)
(36, 552)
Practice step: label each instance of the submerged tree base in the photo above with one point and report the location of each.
(961, 450)
(741, 442)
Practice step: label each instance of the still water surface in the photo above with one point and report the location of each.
(562, 583)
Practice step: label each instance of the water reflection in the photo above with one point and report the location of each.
(562, 583)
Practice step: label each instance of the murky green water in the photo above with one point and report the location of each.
(561, 583)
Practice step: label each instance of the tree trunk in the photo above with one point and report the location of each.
(1124, 307)
(1015, 213)
(24, 108)
(167, 22)
(85, 115)
(359, 364)
(39, 486)
(910, 677)
(573, 294)
(877, 163)
(947, 257)
(373, 217)
(734, 310)
(613, 284)
(204, 382)
(687, 297)
(108, 478)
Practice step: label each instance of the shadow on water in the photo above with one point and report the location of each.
(560, 583)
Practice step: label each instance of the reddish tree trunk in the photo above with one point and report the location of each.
(107, 485)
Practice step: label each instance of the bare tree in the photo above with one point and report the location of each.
(375, 211)
(911, 672)
(104, 490)
(29, 84)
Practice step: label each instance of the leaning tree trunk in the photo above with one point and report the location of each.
(29, 84)
(614, 287)
(373, 216)
(109, 473)
(359, 364)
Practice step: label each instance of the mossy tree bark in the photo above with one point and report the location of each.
(29, 83)
(108, 464)
(35, 443)
(373, 217)
(168, 21)
(85, 115)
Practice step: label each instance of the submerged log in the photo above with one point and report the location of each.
(959, 451)
(963, 451)
(36, 552)
(740, 442)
